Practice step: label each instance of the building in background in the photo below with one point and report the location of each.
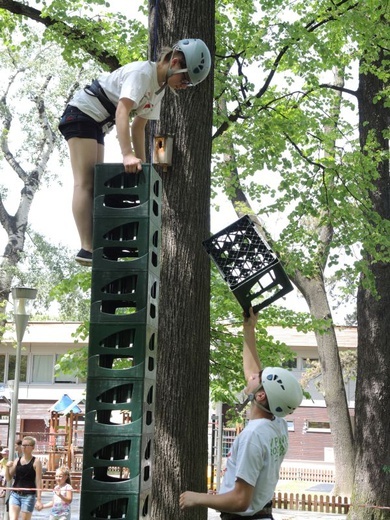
(40, 389)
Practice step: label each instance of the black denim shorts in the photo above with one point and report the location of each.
(74, 123)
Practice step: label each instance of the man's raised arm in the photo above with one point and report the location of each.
(250, 357)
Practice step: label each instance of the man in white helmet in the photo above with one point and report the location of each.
(252, 469)
(133, 91)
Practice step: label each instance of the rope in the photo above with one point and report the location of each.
(368, 506)
(154, 58)
(31, 489)
(155, 34)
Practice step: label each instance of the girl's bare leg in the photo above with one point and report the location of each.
(84, 155)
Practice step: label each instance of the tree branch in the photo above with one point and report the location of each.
(85, 41)
(340, 89)
(310, 27)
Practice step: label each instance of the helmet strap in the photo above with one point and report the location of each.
(170, 73)
(252, 397)
(264, 409)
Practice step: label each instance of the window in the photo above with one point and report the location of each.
(318, 426)
(2, 367)
(42, 371)
(290, 426)
(23, 368)
(229, 434)
(60, 377)
(290, 363)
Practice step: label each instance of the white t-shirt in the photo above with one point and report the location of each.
(256, 456)
(61, 508)
(136, 81)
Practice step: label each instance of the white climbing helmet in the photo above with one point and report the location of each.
(284, 393)
(198, 58)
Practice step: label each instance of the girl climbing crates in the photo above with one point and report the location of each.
(134, 90)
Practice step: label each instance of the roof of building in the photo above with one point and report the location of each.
(47, 332)
(54, 332)
(346, 337)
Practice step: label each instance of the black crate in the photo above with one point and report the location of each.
(248, 265)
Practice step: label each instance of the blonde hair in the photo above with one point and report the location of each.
(66, 472)
(167, 53)
(32, 440)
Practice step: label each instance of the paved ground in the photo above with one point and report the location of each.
(45, 513)
(281, 514)
(278, 514)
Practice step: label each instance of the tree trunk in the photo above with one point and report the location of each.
(372, 481)
(313, 290)
(182, 392)
(16, 225)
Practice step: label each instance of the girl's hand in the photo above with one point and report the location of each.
(132, 163)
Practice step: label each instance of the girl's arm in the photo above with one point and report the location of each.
(48, 504)
(130, 160)
(251, 360)
(68, 497)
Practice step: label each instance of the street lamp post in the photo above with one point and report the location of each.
(22, 296)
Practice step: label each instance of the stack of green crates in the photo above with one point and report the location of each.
(119, 414)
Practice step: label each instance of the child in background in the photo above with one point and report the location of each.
(18, 449)
(3, 462)
(62, 496)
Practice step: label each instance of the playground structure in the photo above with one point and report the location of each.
(63, 434)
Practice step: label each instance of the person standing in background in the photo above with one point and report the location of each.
(18, 448)
(27, 487)
(62, 496)
(3, 462)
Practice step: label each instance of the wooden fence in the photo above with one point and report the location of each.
(314, 503)
(309, 474)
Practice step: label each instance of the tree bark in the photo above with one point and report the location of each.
(372, 481)
(314, 292)
(182, 391)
